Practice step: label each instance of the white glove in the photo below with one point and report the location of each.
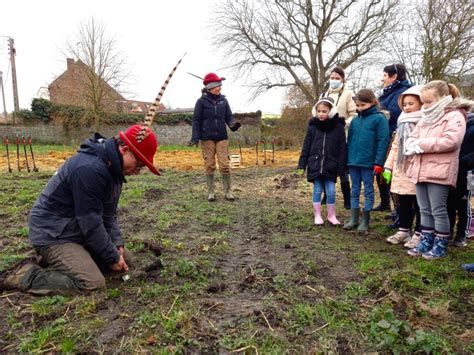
(413, 148)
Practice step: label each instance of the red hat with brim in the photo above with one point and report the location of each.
(145, 149)
(212, 78)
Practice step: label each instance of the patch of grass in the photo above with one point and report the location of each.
(48, 305)
(356, 290)
(370, 262)
(40, 340)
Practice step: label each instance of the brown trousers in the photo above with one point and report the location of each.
(70, 269)
(209, 151)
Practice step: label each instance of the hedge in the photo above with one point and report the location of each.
(73, 116)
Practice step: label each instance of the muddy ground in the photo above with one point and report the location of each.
(250, 276)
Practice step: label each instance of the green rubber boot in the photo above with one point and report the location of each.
(364, 223)
(354, 222)
(227, 193)
(210, 188)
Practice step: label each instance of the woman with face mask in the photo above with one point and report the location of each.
(343, 98)
(346, 108)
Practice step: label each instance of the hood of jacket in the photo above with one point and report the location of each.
(106, 150)
(462, 105)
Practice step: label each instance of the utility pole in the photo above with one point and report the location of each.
(12, 50)
(3, 96)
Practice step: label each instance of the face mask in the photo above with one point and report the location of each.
(334, 84)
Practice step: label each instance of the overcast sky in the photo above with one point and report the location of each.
(152, 34)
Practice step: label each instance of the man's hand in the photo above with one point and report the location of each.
(193, 142)
(387, 175)
(235, 127)
(121, 265)
(377, 170)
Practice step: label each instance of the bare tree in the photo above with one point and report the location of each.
(436, 40)
(290, 42)
(105, 65)
(448, 32)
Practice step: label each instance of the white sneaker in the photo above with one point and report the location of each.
(399, 237)
(413, 242)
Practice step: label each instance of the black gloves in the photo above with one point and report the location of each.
(192, 142)
(235, 127)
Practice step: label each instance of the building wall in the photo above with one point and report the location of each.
(71, 87)
(176, 134)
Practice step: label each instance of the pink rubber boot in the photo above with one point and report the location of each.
(332, 215)
(317, 213)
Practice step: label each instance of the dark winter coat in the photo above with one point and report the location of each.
(368, 139)
(211, 115)
(324, 150)
(389, 101)
(79, 203)
(466, 157)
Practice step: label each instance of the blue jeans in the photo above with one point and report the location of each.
(359, 176)
(329, 186)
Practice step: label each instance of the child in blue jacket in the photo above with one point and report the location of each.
(368, 141)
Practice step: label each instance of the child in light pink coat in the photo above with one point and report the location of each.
(434, 147)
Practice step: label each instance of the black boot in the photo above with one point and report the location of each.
(346, 193)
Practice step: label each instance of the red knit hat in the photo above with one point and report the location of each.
(146, 149)
(211, 78)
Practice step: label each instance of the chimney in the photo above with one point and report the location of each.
(69, 62)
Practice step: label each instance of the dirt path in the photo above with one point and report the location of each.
(181, 160)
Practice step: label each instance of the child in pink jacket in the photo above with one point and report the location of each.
(434, 147)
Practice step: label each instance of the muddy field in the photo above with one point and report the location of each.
(181, 160)
(251, 276)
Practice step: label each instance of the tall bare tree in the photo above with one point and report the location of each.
(448, 32)
(289, 42)
(436, 40)
(105, 66)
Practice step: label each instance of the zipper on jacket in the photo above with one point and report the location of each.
(324, 149)
(215, 119)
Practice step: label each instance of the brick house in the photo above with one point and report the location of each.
(70, 88)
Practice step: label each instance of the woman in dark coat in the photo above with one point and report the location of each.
(394, 83)
(212, 115)
(324, 156)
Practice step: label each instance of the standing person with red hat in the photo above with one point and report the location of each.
(212, 115)
(73, 223)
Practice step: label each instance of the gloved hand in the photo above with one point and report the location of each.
(235, 127)
(300, 172)
(377, 170)
(387, 175)
(193, 142)
(413, 148)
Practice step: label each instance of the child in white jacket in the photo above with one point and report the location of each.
(396, 165)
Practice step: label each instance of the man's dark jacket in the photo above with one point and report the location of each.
(211, 115)
(79, 203)
(389, 101)
(324, 151)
